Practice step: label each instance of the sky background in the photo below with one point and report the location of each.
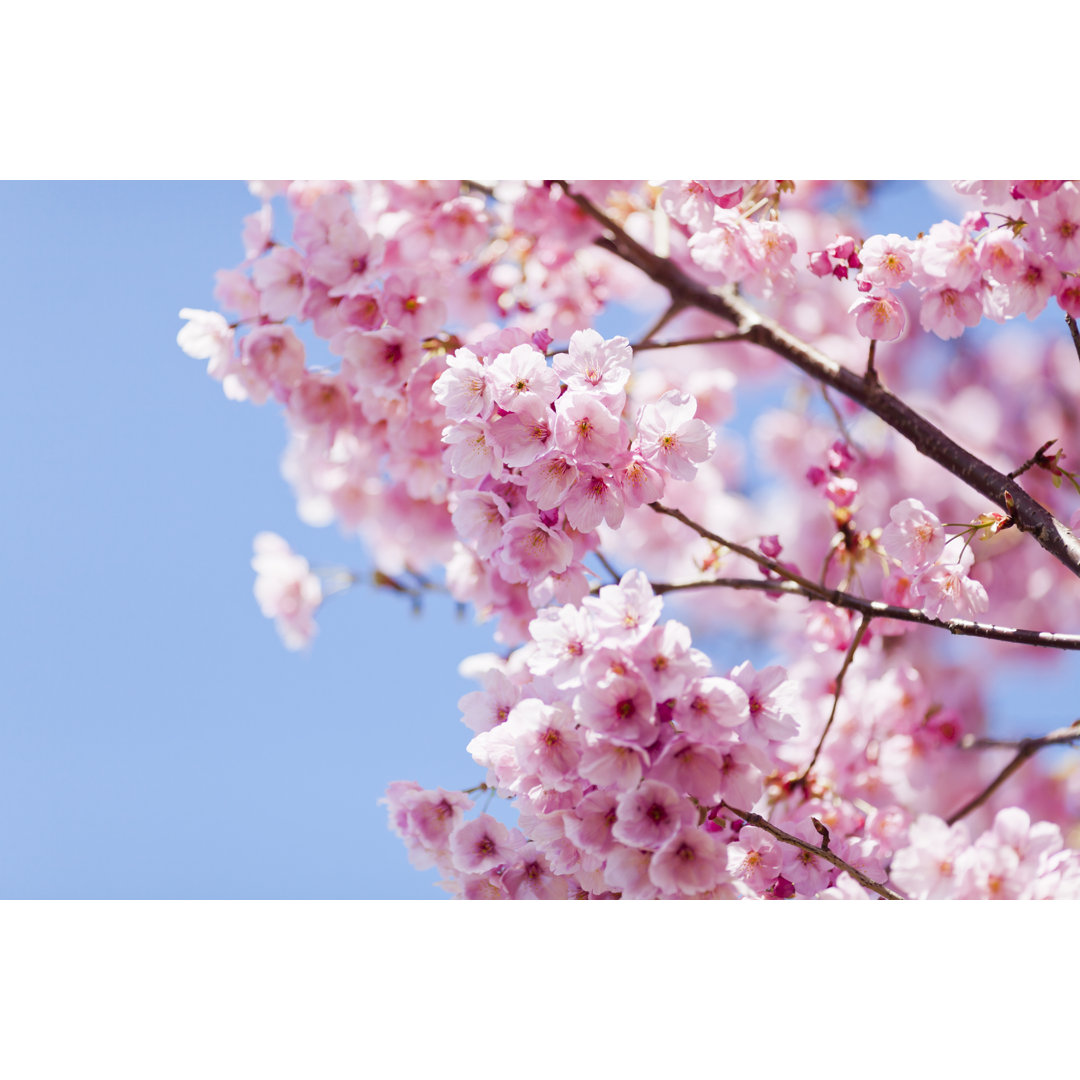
(156, 739)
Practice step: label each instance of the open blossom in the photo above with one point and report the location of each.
(650, 815)
(671, 438)
(887, 261)
(521, 377)
(585, 430)
(727, 248)
(207, 336)
(915, 537)
(948, 590)
(286, 589)
(879, 316)
(947, 255)
(279, 277)
(754, 858)
(463, 389)
(599, 366)
(691, 862)
(480, 845)
(694, 202)
(1057, 221)
(947, 311)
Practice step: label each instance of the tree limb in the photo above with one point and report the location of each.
(1026, 748)
(959, 627)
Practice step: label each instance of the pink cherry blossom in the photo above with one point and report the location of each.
(691, 862)
(286, 589)
(650, 815)
(888, 261)
(914, 537)
(947, 311)
(879, 316)
(670, 437)
(480, 845)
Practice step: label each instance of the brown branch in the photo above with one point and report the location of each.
(1036, 459)
(1030, 516)
(1059, 737)
(855, 642)
(1026, 748)
(707, 339)
(959, 627)
(670, 312)
(1071, 323)
(786, 838)
(871, 375)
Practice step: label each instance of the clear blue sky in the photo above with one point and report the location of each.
(156, 740)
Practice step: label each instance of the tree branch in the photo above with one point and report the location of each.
(1029, 515)
(1026, 748)
(786, 838)
(706, 339)
(959, 627)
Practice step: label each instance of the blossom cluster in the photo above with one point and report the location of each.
(542, 455)
(618, 742)
(471, 418)
(915, 539)
(971, 270)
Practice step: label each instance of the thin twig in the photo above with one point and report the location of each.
(855, 642)
(672, 310)
(607, 566)
(929, 440)
(759, 822)
(1026, 748)
(841, 423)
(1037, 458)
(706, 339)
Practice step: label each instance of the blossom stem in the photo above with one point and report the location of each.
(1025, 748)
(840, 422)
(759, 822)
(672, 310)
(849, 656)
(871, 371)
(929, 440)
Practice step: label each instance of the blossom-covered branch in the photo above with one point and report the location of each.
(795, 584)
(1029, 515)
(821, 851)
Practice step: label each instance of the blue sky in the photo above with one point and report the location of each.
(156, 740)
